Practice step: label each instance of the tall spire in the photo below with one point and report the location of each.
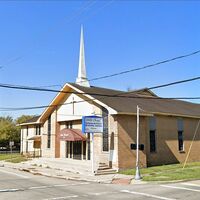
(82, 79)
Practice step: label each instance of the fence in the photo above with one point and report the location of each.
(8, 152)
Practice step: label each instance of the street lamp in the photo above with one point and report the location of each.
(137, 172)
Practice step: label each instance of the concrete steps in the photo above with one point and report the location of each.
(104, 169)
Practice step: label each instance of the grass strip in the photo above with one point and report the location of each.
(14, 158)
(172, 172)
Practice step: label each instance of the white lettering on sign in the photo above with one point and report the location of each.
(93, 124)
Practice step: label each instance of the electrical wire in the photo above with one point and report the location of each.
(146, 66)
(119, 95)
(78, 12)
(127, 71)
(9, 86)
(91, 100)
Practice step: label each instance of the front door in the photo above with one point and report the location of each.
(77, 149)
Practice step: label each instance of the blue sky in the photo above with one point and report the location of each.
(39, 43)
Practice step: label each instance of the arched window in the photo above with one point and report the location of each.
(105, 129)
(49, 133)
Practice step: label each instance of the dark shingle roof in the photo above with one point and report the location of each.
(149, 104)
(32, 120)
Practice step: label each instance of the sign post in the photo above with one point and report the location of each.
(11, 144)
(92, 124)
(92, 153)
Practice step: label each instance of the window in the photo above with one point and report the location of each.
(37, 130)
(152, 141)
(105, 129)
(152, 134)
(180, 140)
(180, 135)
(49, 133)
(27, 131)
(68, 125)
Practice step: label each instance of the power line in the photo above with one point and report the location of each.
(175, 83)
(9, 86)
(102, 77)
(120, 73)
(12, 60)
(90, 100)
(108, 3)
(119, 95)
(146, 66)
(77, 13)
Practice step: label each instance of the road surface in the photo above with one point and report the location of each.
(20, 185)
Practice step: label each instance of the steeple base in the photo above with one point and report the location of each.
(83, 82)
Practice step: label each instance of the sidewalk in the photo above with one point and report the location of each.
(65, 169)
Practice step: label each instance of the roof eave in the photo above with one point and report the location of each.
(31, 123)
(52, 102)
(159, 113)
(110, 110)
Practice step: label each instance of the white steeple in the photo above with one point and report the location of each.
(82, 79)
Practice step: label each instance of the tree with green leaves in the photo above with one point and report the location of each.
(9, 131)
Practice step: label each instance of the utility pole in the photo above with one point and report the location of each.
(137, 172)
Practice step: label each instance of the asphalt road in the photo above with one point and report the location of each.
(19, 185)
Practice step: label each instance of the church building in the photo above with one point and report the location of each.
(169, 129)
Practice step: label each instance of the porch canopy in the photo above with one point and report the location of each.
(35, 138)
(72, 135)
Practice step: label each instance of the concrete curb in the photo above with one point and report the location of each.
(35, 170)
(65, 177)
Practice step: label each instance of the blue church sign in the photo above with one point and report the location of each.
(92, 124)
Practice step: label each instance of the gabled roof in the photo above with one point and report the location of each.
(150, 103)
(144, 98)
(144, 91)
(33, 120)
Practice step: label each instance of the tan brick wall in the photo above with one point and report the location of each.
(49, 152)
(113, 143)
(126, 136)
(57, 140)
(109, 157)
(167, 141)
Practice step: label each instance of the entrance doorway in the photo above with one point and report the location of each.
(77, 149)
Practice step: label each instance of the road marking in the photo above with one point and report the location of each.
(191, 184)
(39, 187)
(19, 175)
(146, 195)
(61, 185)
(66, 197)
(102, 193)
(11, 190)
(58, 185)
(180, 188)
(84, 195)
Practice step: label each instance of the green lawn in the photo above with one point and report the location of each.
(14, 158)
(168, 172)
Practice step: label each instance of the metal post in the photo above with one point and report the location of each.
(11, 148)
(92, 157)
(137, 172)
